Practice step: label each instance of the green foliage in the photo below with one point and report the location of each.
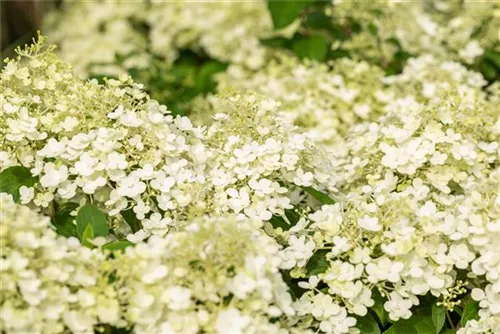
(285, 12)
(119, 245)
(63, 221)
(378, 308)
(321, 197)
(367, 324)
(489, 65)
(91, 215)
(285, 222)
(438, 317)
(13, 178)
(313, 47)
(131, 220)
(87, 236)
(470, 311)
(427, 318)
(318, 263)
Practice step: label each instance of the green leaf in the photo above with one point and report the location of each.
(63, 220)
(285, 12)
(318, 263)
(131, 219)
(449, 331)
(322, 198)
(204, 80)
(438, 317)
(493, 57)
(421, 322)
(378, 307)
(13, 178)
(470, 312)
(292, 217)
(367, 325)
(117, 245)
(276, 42)
(488, 70)
(91, 215)
(319, 20)
(278, 222)
(88, 235)
(314, 47)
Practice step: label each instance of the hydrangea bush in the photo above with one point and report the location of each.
(217, 275)
(131, 155)
(339, 170)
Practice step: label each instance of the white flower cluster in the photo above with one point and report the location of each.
(452, 30)
(50, 284)
(327, 100)
(228, 31)
(218, 275)
(421, 215)
(119, 35)
(114, 146)
(93, 35)
(335, 184)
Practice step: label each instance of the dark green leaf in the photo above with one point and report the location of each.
(318, 263)
(367, 325)
(64, 221)
(292, 217)
(321, 197)
(448, 331)
(276, 42)
(88, 235)
(314, 47)
(278, 222)
(131, 219)
(470, 312)
(318, 20)
(285, 12)
(378, 307)
(488, 70)
(117, 245)
(295, 290)
(91, 215)
(438, 317)
(13, 178)
(419, 323)
(493, 57)
(204, 80)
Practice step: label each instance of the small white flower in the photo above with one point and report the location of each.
(26, 194)
(369, 223)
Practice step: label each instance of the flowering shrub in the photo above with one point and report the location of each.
(420, 216)
(382, 32)
(131, 155)
(328, 99)
(217, 275)
(338, 171)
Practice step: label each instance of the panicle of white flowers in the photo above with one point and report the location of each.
(421, 205)
(324, 99)
(100, 38)
(119, 35)
(50, 284)
(83, 140)
(327, 100)
(485, 325)
(111, 145)
(217, 275)
(225, 30)
(377, 31)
